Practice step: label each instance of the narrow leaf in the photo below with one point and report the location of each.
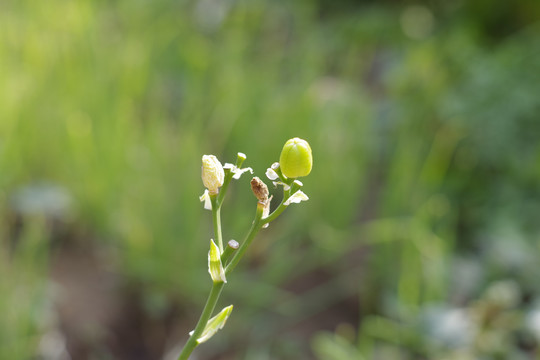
(215, 268)
(214, 324)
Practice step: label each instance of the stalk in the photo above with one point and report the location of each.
(211, 302)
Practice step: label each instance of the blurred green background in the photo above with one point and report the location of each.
(421, 238)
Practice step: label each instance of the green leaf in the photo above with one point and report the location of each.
(214, 324)
(215, 267)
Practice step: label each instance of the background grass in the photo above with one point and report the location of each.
(423, 119)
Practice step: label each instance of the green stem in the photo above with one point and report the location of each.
(255, 227)
(215, 292)
(286, 194)
(217, 287)
(224, 187)
(274, 213)
(231, 247)
(216, 219)
(228, 176)
(203, 320)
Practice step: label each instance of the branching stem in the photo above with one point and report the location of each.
(217, 287)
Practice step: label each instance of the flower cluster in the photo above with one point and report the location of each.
(295, 161)
(213, 176)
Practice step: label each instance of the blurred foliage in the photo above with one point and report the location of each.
(24, 301)
(423, 120)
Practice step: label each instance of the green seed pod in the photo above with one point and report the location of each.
(296, 159)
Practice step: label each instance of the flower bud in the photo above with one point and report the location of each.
(296, 159)
(212, 173)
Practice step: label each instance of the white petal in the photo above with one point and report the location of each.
(285, 186)
(236, 171)
(206, 198)
(271, 174)
(266, 211)
(296, 198)
(239, 172)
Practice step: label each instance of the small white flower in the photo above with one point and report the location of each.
(205, 197)
(236, 171)
(296, 198)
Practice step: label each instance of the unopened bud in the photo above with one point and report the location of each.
(233, 244)
(296, 159)
(212, 173)
(241, 157)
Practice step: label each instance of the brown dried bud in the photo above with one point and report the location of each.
(260, 190)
